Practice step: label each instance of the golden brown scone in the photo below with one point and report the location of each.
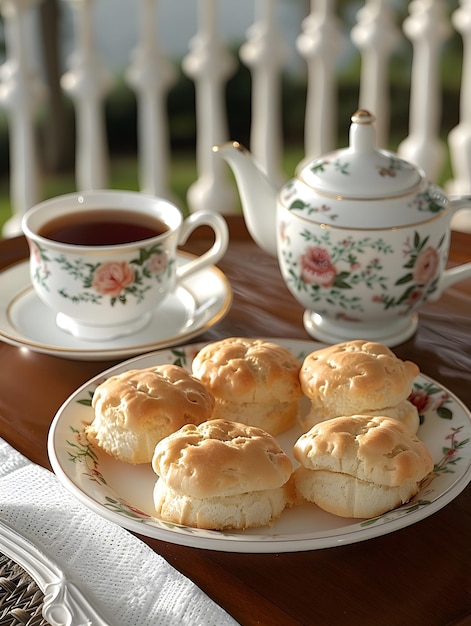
(253, 381)
(360, 466)
(405, 412)
(357, 377)
(221, 474)
(136, 409)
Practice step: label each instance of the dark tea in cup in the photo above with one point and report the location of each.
(102, 227)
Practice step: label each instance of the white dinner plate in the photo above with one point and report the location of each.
(200, 302)
(123, 493)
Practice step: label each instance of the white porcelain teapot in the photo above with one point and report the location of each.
(362, 237)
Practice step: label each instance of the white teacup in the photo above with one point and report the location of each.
(105, 260)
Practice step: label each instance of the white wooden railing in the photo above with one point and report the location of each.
(209, 64)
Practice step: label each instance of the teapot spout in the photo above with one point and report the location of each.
(257, 194)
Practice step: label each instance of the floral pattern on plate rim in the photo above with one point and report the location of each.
(426, 396)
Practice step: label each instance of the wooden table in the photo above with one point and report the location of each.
(420, 575)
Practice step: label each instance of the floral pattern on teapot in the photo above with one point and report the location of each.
(422, 273)
(307, 208)
(348, 274)
(360, 236)
(391, 169)
(320, 209)
(340, 203)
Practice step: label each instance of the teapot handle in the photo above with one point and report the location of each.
(461, 272)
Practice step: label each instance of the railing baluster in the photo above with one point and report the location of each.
(459, 138)
(376, 36)
(87, 83)
(209, 65)
(151, 75)
(265, 53)
(320, 44)
(427, 27)
(20, 93)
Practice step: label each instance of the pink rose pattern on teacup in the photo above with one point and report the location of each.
(114, 280)
(328, 271)
(35, 251)
(156, 263)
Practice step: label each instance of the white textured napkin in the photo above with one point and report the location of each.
(120, 574)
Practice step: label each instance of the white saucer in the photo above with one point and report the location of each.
(199, 303)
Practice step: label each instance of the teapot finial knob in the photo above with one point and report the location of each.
(362, 132)
(362, 116)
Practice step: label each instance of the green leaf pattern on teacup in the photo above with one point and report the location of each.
(41, 271)
(116, 280)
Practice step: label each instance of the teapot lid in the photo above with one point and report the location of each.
(361, 171)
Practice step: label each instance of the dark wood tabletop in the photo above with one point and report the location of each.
(418, 575)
